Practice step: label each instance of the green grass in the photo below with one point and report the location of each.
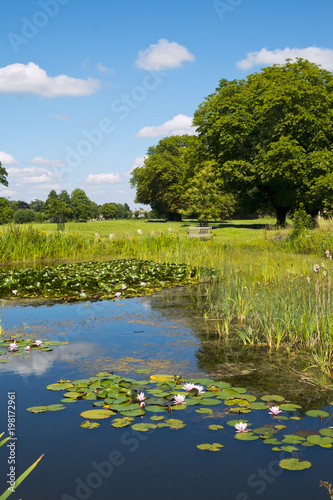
(261, 296)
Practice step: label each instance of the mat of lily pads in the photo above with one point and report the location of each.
(159, 402)
(116, 278)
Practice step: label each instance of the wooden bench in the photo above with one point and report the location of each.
(199, 232)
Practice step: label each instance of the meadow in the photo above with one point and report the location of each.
(268, 289)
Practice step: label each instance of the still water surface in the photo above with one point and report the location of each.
(163, 334)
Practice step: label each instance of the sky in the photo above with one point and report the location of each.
(87, 86)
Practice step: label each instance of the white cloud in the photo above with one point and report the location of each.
(31, 79)
(139, 161)
(104, 69)
(111, 178)
(7, 159)
(163, 55)
(45, 162)
(60, 117)
(265, 57)
(31, 175)
(179, 125)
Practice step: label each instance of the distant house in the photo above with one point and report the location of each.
(141, 213)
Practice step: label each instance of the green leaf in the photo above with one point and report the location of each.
(173, 423)
(317, 413)
(327, 432)
(274, 397)
(292, 439)
(204, 410)
(90, 425)
(121, 422)
(232, 423)
(97, 414)
(246, 436)
(143, 427)
(294, 464)
(209, 447)
(20, 479)
(215, 427)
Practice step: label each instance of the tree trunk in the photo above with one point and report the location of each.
(281, 214)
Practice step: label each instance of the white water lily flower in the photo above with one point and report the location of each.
(274, 410)
(117, 294)
(199, 388)
(188, 386)
(179, 399)
(27, 348)
(241, 427)
(14, 292)
(38, 342)
(13, 346)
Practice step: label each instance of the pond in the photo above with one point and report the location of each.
(159, 334)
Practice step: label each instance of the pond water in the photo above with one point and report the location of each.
(163, 334)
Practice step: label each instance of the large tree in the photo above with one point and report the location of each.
(81, 205)
(159, 181)
(3, 175)
(271, 135)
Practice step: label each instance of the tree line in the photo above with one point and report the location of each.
(60, 207)
(263, 144)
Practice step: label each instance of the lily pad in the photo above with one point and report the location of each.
(292, 439)
(246, 436)
(215, 427)
(324, 442)
(317, 413)
(143, 427)
(98, 414)
(42, 409)
(273, 397)
(204, 410)
(294, 464)
(174, 423)
(90, 425)
(327, 432)
(232, 423)
(210, 447)
(157, 417)
(121, 422)
(59, 386)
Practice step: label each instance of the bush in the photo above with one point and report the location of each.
(22, 216)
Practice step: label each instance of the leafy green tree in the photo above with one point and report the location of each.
(205, 197)
(158, 182)
(95, 210)
(81, 205)
(6, 211)
(271, 135)
(3, 175)
(109, 210)
(37, 205)
(23, 216)
(58, 211)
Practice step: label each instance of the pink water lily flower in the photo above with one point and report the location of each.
(38, 342)
(13, 346)
(14, 292)
(241, 427)
(27, 348)
(274, 410)
(141, 396)
(117, 294)
(142, 405)
(179, 399)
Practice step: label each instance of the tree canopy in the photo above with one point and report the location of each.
(271, 136)
(3, 175)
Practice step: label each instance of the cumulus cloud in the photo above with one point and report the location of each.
(32, 175)
(31, 79)
(45, 162)
(163, 55)
(265, 57)
(179, 125)
(111, 178)
(7, 159)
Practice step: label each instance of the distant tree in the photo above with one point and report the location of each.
(58, 211)
(23, 216)
(23, 205)
(3, 175)
(109, 210)
(6, 211)
(137, 214)
(65, 197)
(95, 210)
(37, 205)
(81, 205)
(158, 182)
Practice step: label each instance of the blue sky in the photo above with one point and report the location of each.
(86, 86)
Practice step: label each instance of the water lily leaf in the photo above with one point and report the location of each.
(143, 370)
(290, 407)
(121, 422)
(133, 413)
(162, 378)
(327, 432)
(239, 410)
(178, 407)
(143, 427)
(90, 425)
(324, 442)
(42, 409)
(173, 423)
(236, 401)
(156, 409)
(294, 464)
(307, 444)
(215, 427)
(226, 394)
(267, 428)
(274, 397)
(210, 402)
(210, 447)
(317, 413)
(89, 397)
(73, 395)
(271, 441)
(306, 432)
(258, 406)
(292, 439)
(157, 417)
(97, 414)
(280, 426)
(220, 385)
(204, 410)
(59, 386)
(288, 449)
(68, 400)
(246, 436)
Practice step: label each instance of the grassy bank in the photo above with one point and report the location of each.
(266, 292)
